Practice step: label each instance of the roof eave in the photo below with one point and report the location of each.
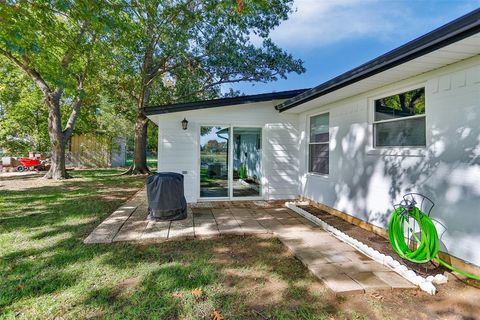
(222, 102)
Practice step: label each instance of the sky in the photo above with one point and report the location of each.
(334, 36)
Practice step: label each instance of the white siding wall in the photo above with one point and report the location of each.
(365, 182)
(179, 149)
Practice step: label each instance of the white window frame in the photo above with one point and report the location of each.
(374, 123)
(309, 143)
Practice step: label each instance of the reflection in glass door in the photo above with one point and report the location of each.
(214, 144)
(246, 164)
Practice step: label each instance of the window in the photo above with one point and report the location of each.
(399, 120)
(318, 153)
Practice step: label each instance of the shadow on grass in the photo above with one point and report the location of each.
(50, 273)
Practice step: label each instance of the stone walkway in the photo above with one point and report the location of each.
(338, 265)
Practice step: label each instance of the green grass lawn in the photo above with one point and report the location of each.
(47, 272)
(151, 162)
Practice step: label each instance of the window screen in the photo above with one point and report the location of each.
(318, 152)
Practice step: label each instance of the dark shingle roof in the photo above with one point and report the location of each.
(222, 102)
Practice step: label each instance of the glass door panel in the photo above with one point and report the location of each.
(247, 152)
(214, 169)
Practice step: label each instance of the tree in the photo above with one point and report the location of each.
(23, 118)
(172, 51)
(54, 43)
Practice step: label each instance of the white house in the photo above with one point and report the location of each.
(407, 121)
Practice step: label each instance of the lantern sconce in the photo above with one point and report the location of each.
(184, 124)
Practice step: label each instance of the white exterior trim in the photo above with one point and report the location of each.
(230, 196)
(307, 160)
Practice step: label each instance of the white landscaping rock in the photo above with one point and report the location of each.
(401, 269)
(411, 273)
(440, 279)
(387, 260)
(428, 287)
(419, 279)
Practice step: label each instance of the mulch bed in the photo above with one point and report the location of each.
(372, 240)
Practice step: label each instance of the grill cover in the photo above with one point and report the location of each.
(166, 200)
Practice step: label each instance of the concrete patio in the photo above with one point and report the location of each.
(338, 265)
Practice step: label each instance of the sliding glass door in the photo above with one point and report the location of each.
(247, 155)
(230, 162)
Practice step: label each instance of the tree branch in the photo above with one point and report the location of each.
(75, 111)
(67, 57)
(31, 72)
(67, 132)
(216, 83)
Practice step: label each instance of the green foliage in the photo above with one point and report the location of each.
(23, 117)
(411, 102)
(243, 171)
(132, 54)
(215, 146)
(53, 38)
(184, 51)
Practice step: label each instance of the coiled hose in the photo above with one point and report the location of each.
(427, 245)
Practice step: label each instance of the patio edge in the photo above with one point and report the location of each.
(385, 260)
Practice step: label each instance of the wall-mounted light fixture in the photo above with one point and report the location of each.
(184, 124)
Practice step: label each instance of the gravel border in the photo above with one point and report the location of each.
(425, 284)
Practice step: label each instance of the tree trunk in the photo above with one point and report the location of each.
(139, 165)
(57, 142)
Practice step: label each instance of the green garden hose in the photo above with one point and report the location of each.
(427, 245)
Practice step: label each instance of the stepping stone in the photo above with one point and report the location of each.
(180, 231)
(106, 231)
(241, 213)
(217, 212)
(156, 230)
(369, 281)
(290, 222)
(227, 224)
(364, 266)
(394, 280)
(354, 255)
(269, 223)
(340, 283)
(131, 231)
(310, 256)
(230, 228)
(336, 257)
(324, 270)
(279, 212)
(205, 228)
(222, 215)
(202, 213)
(140, 213)
(251, 226)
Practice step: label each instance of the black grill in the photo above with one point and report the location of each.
(166, 199)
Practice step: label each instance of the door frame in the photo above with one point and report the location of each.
(230, 196)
